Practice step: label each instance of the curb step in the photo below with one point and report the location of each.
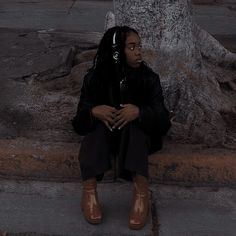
(175, 163)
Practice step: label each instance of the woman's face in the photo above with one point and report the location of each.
(133, 49)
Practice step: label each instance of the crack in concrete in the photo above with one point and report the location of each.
(154, 216)
(72, 5)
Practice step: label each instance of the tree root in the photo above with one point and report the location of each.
(232, 85)
(197, 73)
(212, 50)
(230, 143)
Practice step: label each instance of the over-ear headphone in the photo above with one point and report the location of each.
(115, 53)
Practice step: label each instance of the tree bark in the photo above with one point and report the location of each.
(197, 73)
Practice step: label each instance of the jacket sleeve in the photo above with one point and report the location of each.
(84, 122)
(154, 117)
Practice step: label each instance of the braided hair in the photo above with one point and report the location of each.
(104, 63)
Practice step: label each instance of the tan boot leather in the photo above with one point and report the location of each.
(89, 202)
(140, 204)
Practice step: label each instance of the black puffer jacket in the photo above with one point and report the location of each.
(142, 89)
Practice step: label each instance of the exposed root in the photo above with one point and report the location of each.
(232, 85)
(230, 143)
(234, 110)
(60, 71)
(109, 20)
(212, 50)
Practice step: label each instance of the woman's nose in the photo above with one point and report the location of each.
(138, 51)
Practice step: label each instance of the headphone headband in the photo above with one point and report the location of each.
(114, 39)
(115, 54)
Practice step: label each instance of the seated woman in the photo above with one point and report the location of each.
(122, 115)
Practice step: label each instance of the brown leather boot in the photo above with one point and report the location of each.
(140, 205)
(89, 202)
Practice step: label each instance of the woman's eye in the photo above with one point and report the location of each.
(132, 48)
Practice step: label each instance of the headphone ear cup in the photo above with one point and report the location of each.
(115, 56)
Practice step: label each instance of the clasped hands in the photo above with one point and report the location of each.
(115, 118)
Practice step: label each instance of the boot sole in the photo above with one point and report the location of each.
(92, 221)
(140, 226)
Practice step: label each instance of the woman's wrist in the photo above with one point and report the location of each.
(93, 111)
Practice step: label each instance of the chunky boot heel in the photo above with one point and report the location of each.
(140, 205)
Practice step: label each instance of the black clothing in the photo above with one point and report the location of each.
(134, 142)
(143, 89)
(131, 153)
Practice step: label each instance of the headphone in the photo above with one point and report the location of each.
(115, 54)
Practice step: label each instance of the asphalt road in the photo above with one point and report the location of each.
(89, 15)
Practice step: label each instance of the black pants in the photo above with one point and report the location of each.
(129, 146)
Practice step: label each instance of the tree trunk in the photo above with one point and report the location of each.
(197, 73)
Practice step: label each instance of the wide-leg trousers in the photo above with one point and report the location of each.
(128, 146)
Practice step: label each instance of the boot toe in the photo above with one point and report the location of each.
(136, 224)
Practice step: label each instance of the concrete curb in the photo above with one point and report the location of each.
(176, 163)
(25, 159)
(194, 165)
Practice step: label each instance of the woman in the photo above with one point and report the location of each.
(122, 115)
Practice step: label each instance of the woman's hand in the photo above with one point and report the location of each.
(106, 114)
(127, 113)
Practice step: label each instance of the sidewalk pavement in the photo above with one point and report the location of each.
(47, 208)
(54, 209)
